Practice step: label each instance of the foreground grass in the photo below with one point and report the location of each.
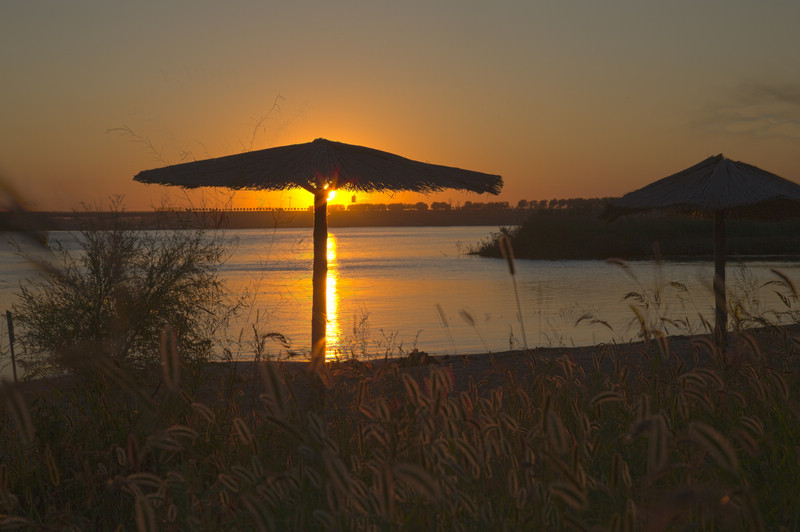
(553, 444)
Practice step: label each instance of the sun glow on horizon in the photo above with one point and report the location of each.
(298, 199)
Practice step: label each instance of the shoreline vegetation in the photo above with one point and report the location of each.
(575, 235)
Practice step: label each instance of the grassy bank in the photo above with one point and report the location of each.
(567, 235)
(664, 435)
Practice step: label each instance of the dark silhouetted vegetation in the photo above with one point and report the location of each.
(568, 234)
(121, 293)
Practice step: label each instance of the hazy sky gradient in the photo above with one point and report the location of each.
(562, 98)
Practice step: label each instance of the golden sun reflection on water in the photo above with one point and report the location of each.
(333, 330)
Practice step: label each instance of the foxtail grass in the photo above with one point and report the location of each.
(508, 254)
(560, 445)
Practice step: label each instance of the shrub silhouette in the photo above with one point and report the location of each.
(119, 293)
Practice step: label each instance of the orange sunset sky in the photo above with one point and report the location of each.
(563, 98)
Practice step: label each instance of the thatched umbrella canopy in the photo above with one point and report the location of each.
(320, 167)
(720, 187)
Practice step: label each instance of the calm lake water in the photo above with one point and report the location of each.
(393, 289)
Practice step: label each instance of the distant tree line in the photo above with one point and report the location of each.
(572, 205)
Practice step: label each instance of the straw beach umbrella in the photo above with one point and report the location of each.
(320, 167)
(723, 188)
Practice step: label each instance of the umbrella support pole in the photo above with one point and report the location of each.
(720, 297)
(319, 312)
(319, 167)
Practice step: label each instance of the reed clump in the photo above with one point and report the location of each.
(569, 234)
(703, 440)
(120, 292)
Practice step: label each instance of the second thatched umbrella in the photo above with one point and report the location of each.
(320, 167)
(720, 187)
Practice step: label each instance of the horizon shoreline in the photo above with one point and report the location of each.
(263, 219)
